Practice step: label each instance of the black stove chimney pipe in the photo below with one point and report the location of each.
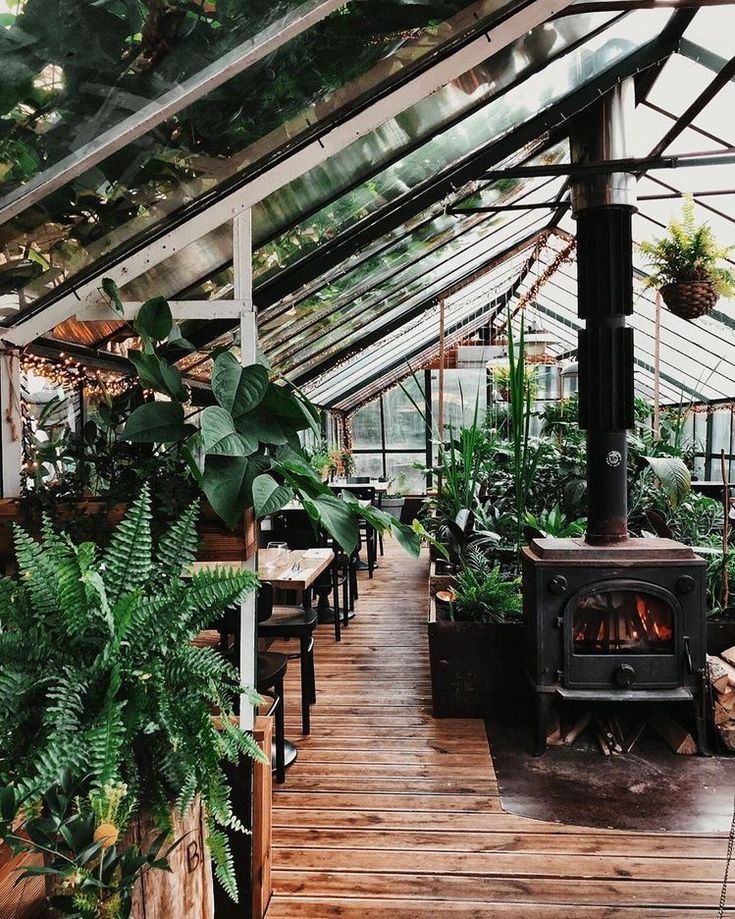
(603, 207)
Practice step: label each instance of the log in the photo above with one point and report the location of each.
(262, 820)
(727, 701)
(729, 656)
(727, 734)
(553, 736)
(602, 727)
(722, 715)
(721, 674)
(680, 740)
(574, 730)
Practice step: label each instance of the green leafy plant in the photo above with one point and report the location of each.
(554, 523)
(98, 675)
(526, 455)
(482, 593)
(689, 252)
(76, 832)
(502, 375)
(247, 444)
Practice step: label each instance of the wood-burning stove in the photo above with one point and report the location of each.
(617, 623)
(608, 617)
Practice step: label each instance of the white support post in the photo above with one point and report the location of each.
(242, 258)
(11, 430)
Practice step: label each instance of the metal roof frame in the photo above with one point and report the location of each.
(213, 211)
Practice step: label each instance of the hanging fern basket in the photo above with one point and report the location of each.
(690, 299)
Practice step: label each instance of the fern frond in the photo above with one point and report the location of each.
(105, 743)
(127, 560)
(216, 589)
(177, 549)
(224, 864)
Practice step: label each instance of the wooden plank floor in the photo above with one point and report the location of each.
(388, 812)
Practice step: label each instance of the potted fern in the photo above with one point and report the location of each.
(100, 681)
(686, 266)
(476, 642)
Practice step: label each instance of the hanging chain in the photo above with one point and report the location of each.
(728, 859)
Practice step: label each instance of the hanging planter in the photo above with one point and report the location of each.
(690, 299)
(686, 266)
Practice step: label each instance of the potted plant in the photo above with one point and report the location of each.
(502, 373)
(100, 682)
(686, 266)
(394, 499)
(476, 643)
(245, 452)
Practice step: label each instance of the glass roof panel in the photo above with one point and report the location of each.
(463, 309)
(150, 187)
(713, 28)
(398, 270)
(281, 98)
(455, 267)
(71, 72)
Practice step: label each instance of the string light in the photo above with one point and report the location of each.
(67, 373)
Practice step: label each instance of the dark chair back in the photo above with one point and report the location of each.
(264, 604)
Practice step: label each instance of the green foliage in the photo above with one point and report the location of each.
(526, 455)
(483, 594)
(107, 51)
(98, 676)
(554, 523)
(689, 252)
(92, 874)
(250, 450)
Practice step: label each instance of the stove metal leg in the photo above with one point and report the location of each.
(543, 710)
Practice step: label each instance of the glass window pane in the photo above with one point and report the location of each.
(369, 464)
(404, 425)
(465, 393)
(366, 427)
(405, 479)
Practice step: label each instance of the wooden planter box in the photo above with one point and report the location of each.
(437, 581)
(476, 668)
(218, 542)
(187, 890)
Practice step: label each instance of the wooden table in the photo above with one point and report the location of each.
(310, 563)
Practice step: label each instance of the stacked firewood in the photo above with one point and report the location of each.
(722, 680)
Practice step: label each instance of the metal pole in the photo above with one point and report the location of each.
(603, 206)
(657, 371)
(440, 413)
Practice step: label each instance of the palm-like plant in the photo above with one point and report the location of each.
(98, 676)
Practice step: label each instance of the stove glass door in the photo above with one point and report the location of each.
(623, 622)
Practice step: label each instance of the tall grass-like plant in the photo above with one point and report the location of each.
(525, 454)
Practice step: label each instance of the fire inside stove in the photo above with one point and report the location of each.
(623, 622)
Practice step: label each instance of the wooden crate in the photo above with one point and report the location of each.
(262, 820)
(187, 890)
